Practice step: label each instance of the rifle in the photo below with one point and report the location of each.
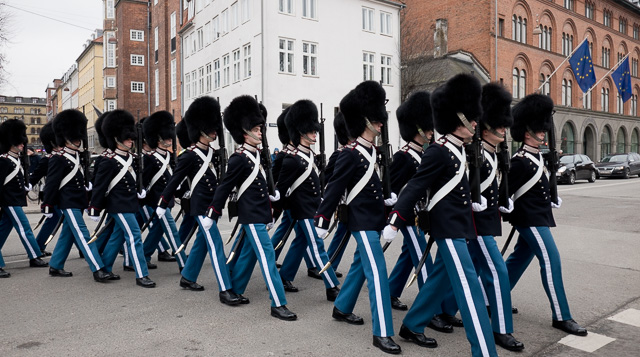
(266, 156)
(386, 162)
(139, 141)
(322, 157)
(174, 145)
(475, 161)
(552, 163)
(26, 162)
(222, 156)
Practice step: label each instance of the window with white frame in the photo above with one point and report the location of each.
(187, 85)
(137, 60)
(519, 29)
(215, 28)
(586, 100)
(201, 81)
(385, 69)
(110, 105)
(111, 82)
(367, 19)
(236, 65)
(208, 81)
(245, 12)
(137, 87)
(633, 108)
(367, 66)
(174, 79)
(226, 68)
(620, 104)
(285, 6)
(309, 9)
(110, 50)
(111, 10)
(604, 98)
(207, 33)
(155, 44)
(194, 84)
(185, 43)
(235, 15)
(309, 59)
(519, 83)
(544, 39)
(546, 88)
(286, 55)
(246, 49)
(224, 22)
(194, 42)
(173, 32)
(200, 38)
(385, 23)
(216, 74)
(157, 86)
(566, 92)
(136, 35)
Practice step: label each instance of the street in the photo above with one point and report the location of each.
(598, 237)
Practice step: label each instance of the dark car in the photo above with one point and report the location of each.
(619, 165)
(576, 167)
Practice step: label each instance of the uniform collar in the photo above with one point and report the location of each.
(249, 147)
(121, 152)
(13, 154)
(531, 149)
(415, 146)
(69, 150)
(305, 149)
(364, 142)
(290, 147)
(454, 140)
(490, 148)
(161, 151)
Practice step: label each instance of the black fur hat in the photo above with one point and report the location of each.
(460, 94)
(158, 126)
(301, 119)
(366, 101)
(69, 125)
(182, 133)
(120, 125)
(203, 115)
(340, 126)
(496, 107)
(283, 133)
(413, 113)
(243, 113)
(13, 132)
(263, 111)
(48, 137)
(98, 126)
(534, 111)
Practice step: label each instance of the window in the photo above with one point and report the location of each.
(110, 50)
(606, 56)
(207, 33)
(589, 10)
(173, 32)
(236, 65)
(155, 44)
(199, 5)
(567, 43)
(4, 110)
(567, 139)
(569, 4)
(185, 43)
(634, 141)
(309, 9)
(201, 80)
(224, 22)
(225, 70)
(619, 104)
(235, 15)
(604, 98)
(174, 79)
(586, 100)
(245, 14)
(136, 35)
(157, 86)
(18, 110)
(367, 66)
(634, 67)
(385, 23)
(309, 59)
(200, 38)
(194, 42)
(247, 60)
(566, 92)
(111, 82)
(606, 18)
(194, 84)
(111, 11)
(216, 74)
(367, 19)
(208, 82)
(187, 85)
(622, 25)
(519, 83)
(605, 146)
(636, 31)
(501, 27)
(544, 39)
(137, 60)
(286, 56)
(285, 6)
(546, 88)
(385, 70)
(18, 100)
(137, 87)
(519, 29)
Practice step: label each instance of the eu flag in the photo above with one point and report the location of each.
(622, 79)
(582, 67)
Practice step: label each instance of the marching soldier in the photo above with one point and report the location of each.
(203, 125)
(65, 190)
(532, 215)
(13, 192)
(115, 192)
(365, 114)
(102, 240)
(456, 107)
(300, 183)
(244, 120)
(188, 221)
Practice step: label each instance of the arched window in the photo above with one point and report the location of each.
(519, 29)
(633, 108)
(545, 38)
(586, 100)
(516, 79)
(546, 88)
(619, 104)
(568, 139)
(621, 142)
(604, 98)
(519, 84)
(567, 43)
(605, 142)
(522, 88)
(566, 92)
(634, 141)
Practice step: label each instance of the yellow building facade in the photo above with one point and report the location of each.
(90, 80)
(31, 110)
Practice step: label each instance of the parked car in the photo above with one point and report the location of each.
(576, 167)
(619, 165)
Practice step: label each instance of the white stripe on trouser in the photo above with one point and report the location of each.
(468, 297)
(376, 283)
(172, 238)
(316, 253)
(419, 252)
(81, 238)
(484, 293)
(125, 249)
(548, 273)
(21, 231)
(132, 244)
(265, 265)
(496, 284)
(214, 256)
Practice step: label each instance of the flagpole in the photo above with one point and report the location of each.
(560, 65)
(606, 75)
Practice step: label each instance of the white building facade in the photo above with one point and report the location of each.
(285, 50)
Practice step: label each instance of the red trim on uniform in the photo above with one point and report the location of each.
(215, 210)
(398, 214)
(322, 217)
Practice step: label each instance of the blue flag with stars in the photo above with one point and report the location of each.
(622, 78)
(582, 67)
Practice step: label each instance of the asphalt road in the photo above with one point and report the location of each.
(598, 237)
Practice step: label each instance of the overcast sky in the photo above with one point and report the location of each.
(43, 49)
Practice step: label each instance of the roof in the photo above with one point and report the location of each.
(433, 72)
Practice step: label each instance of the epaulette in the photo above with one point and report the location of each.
(442, 140)
(190, 148)
(519, 153)
(351, 145)
(57, 152)
(110, 155)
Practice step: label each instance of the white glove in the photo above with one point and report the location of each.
(389, 234)
(321, 232)
(507, 209)
(142, 194)
(48, 215)
(554, 205)
(161, 211)
(95, 218)
(179, 187)
(270, 225)
(389, 202)
(28, 188)
(479, 207)
(207, 223)
(89, 188)
(275, 197)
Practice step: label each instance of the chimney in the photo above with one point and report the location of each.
(440, 38)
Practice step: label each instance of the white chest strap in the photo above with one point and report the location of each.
(206, 160)
(415, 155)
(164, 167)
(76, 167)
(252, 176)
(304, 175)
(532, 181)
(371, 158)
(455, 180)
(493, 161)
(126, 167)
(15, 171)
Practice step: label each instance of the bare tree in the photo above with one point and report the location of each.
(417, 50)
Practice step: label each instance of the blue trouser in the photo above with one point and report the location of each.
(163, 245)
(47, 228)
(13, 216)
(278, 235)
(185, 227)
(453, 268)
(74, 230)
(298, 248)
(256, 235)
(492, 270)
(538, 241)
(208, 242)
(160, 225)
(341, 230)
(368, 263)
(126, 230)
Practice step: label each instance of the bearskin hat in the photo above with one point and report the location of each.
(118, 125)
(283, 133)
(301, 119)
(243, 113)
(182, 133)
(366, 101)
(48, 137)
(158, 126)
(13, 132)
(460, 94)
(263, 111)
(413, 113)
(340, 126)
(98, 126)
(496, 107)
(69, 125)
(534, 111)
(203, 116)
